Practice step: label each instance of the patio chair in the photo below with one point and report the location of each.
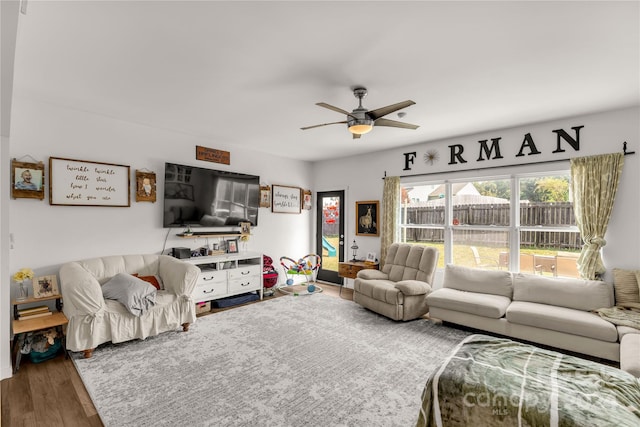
(483, 262)
(528, 264)
(566, 266)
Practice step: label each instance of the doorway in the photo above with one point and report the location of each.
(330, 234)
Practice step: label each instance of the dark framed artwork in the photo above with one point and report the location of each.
(27, 180)
(232, 246)
(145, 186)
(367, 218)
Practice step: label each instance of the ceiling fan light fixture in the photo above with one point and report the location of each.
(360, 127)
(361, 120)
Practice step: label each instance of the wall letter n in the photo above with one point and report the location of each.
(562, 134)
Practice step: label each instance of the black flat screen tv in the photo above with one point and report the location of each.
(201, 197)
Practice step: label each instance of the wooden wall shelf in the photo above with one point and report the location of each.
(209, 234)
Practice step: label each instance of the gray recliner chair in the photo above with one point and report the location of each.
(400, 289)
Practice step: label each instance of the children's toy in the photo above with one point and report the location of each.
(308, 266)
(269, 275)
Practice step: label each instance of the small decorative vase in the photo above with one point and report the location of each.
(23, 293)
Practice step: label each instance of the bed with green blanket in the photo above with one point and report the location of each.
(489, 381)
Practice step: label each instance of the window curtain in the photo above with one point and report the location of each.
(594, 182)
(390, 204)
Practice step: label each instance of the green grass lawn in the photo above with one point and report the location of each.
(331, 263)
(462, 254)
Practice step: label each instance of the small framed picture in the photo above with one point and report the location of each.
(245, 228)
(306, 200)
(232, 246)
(371, 257)
(45, 286)
(145, 186)
(367, 218)
(265, 196)
(27, 180)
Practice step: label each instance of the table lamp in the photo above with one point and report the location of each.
(354, 247)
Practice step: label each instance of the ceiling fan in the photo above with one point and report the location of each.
(361, 120)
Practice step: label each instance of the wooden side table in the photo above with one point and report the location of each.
(22, 327)
(349, 269)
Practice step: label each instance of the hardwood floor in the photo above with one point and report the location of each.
(52, 394)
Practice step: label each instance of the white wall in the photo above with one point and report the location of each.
(5, 313)
(9, 18)
(46, 236)
(602, 133)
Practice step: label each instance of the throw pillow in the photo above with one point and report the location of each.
(625, 283)
(135, 294)
(156, 281)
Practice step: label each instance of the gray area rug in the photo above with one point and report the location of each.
(311, 360)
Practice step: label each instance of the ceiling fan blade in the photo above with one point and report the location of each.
(379, 112)
(394, 124)
(356, 135)
(331, 107)
(323, 124)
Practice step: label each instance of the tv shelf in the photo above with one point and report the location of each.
(208, 233)
(227, 275)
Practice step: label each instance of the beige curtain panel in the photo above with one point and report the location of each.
(594, 182)
(390, 203)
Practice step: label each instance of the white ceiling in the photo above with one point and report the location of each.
(249, 73)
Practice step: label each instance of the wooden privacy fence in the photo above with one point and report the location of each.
(531, 215)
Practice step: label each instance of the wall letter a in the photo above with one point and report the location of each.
(528, 142)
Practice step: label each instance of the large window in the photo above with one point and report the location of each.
(517, 223)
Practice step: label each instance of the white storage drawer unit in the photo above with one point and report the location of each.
(209, 291)
(228, 274)
(245, 271)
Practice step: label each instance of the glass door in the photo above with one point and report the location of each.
(330, 234)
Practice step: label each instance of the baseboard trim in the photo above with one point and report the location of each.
(6, 371)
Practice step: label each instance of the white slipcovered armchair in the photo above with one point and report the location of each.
(94, 320)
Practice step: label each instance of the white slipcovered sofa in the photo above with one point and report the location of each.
(557, 312)
(399, 290)
(94, 320)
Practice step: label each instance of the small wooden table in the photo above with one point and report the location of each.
(349, 269)
(22, 327)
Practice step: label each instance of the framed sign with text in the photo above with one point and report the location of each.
(84, 183)
(285, 199)
(213, 155)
